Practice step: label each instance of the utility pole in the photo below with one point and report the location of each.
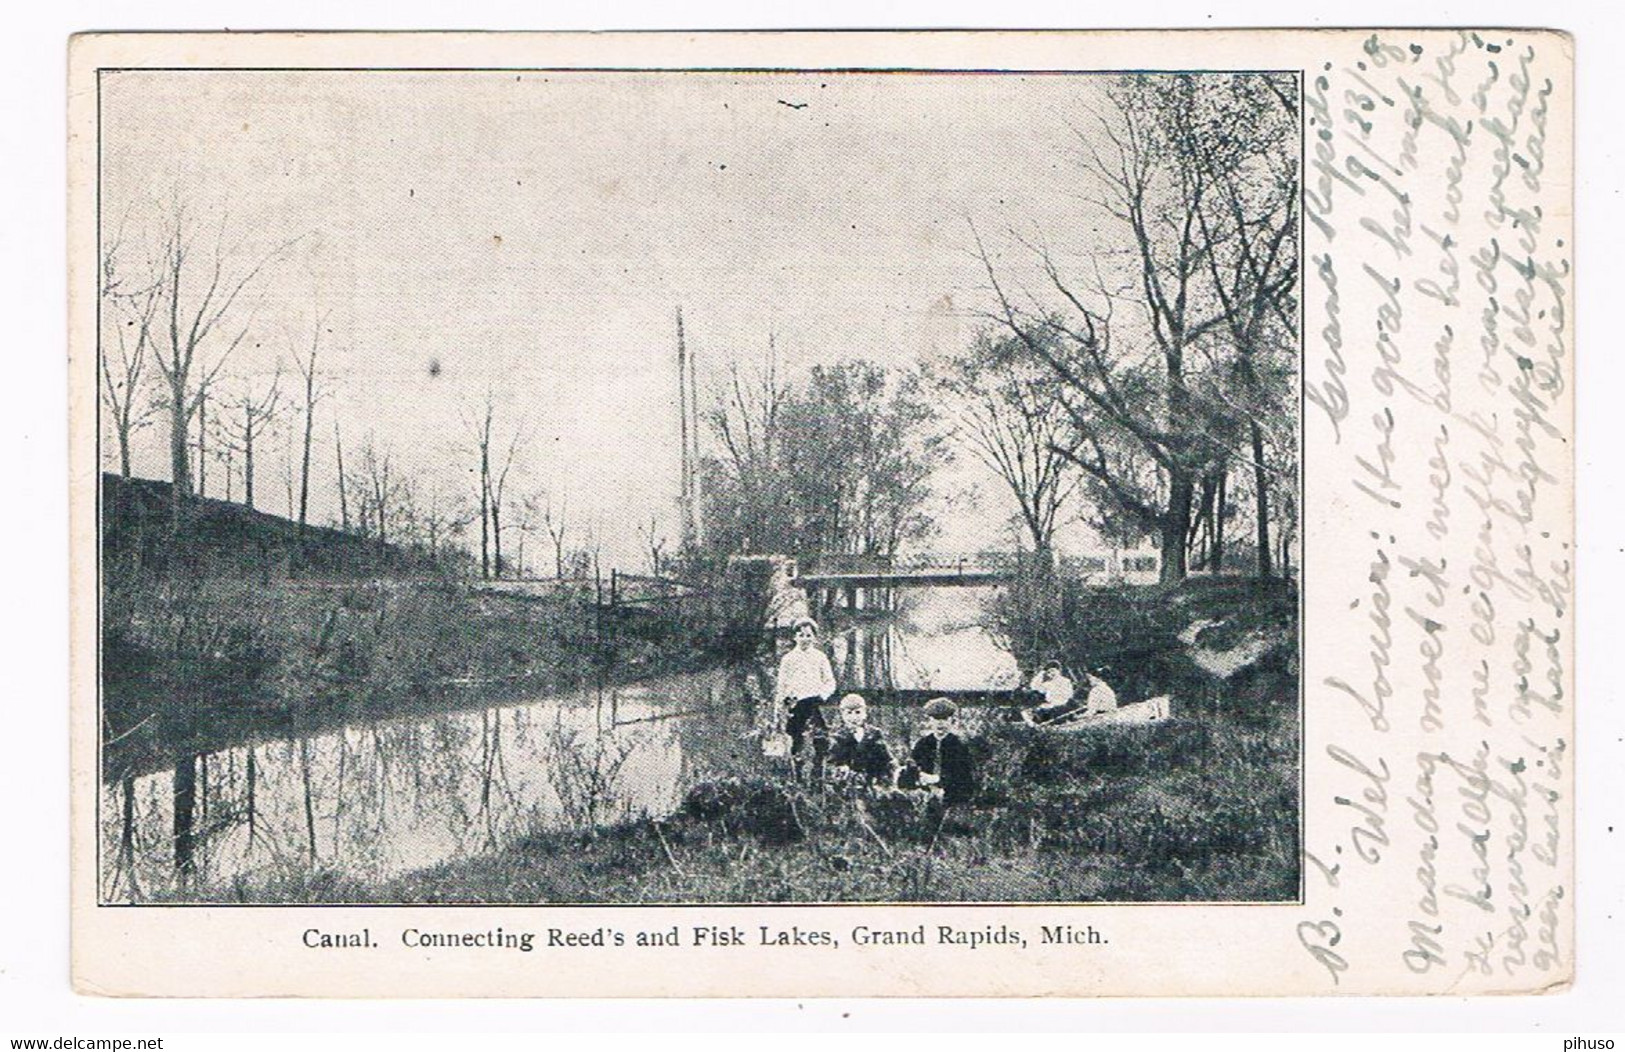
(696, 522)
(685, 493)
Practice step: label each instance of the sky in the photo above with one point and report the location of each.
(532, 235)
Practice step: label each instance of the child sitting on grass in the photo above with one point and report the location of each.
(858, 748)
(941, 759)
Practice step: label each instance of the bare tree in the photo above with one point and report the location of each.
(287, 475)
(494, 469)
(250, 415)
(202, 459)
(497, 483)
(1012, 415)
(859, 446)
(746, 418)
(840, 464)
(1160, 159)
(525, 518)
(481, 427)
(313, 394)
(435, 516)
(224, 456)
(343, 479)
(132, 313)
(193, 322)
(1251, 222)
(383, 487)
(594, 547)
(654, 542)
(556, 520)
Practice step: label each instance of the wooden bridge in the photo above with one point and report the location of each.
(859, 577)
(921, 571)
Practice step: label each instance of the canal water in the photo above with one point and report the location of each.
(374, 800)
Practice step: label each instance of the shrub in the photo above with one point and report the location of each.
(1038, 757)
(752, 806)
(901, 815)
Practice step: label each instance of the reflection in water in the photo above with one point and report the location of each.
(934, 643)
(372, 801)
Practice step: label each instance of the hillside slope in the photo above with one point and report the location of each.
(228, 536)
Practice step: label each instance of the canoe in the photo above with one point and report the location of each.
(1151, 710)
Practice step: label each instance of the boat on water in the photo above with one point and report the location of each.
(1151, 710)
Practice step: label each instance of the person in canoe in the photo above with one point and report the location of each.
(804, 681)
(1090, 698)
(1057, 690)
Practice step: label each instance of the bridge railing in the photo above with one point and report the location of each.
(930, 562)
(1093, 565)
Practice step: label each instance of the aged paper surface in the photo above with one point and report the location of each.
(1284, 316)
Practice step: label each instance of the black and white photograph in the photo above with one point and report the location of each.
(807, 515)
(698, 487)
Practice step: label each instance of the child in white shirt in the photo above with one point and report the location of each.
(805, 680)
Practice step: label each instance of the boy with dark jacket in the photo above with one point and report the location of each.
(941, 756)
(858, 747)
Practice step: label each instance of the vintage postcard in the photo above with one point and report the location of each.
(801, 514)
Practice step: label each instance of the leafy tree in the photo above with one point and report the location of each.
(838, 465)
(860, 445)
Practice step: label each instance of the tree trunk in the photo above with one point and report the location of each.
(1176, 525)
(180, 477)
(1216, 558)
(253, 803)
(248, 462)
(304, 470)
(185, 789)
(344, 500)
(496, 535)
(379, 496)
(124, 450)
(485, 510)
(309, 795)
(126, 838)
(1176, 520)
(1202, 528)
(1261, 500)
(202, 433)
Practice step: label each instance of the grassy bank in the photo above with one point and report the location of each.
(1186, 810)
(1152, 639)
